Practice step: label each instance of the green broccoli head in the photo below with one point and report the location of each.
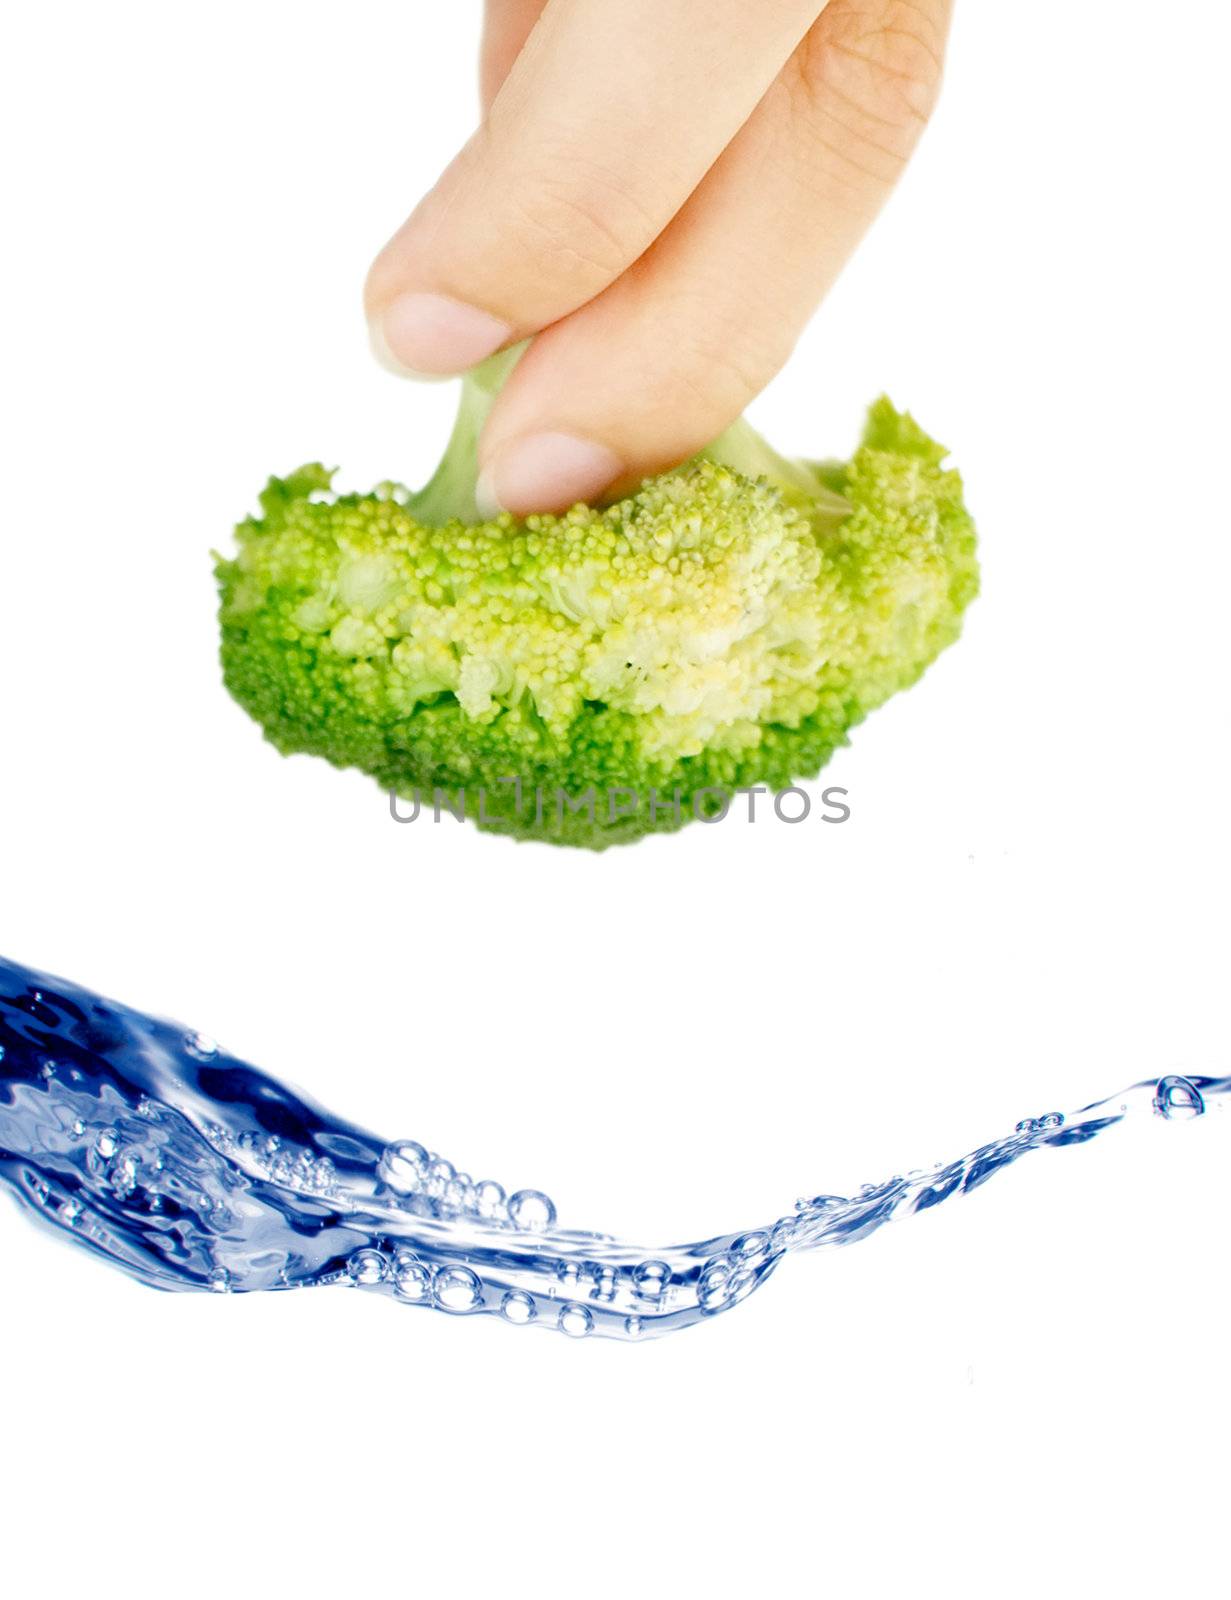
(592, 677)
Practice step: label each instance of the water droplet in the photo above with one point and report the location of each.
(1053, 1119)
(651, 1278)
(531, 1210)
(457, 1289)
(575, 1321)
(48, 1069)
(1026, 1125)
(200, 1046)
(632, 1327)
(107, 1143)
(518, 1307)
(411, 1279)
(1178, 1099)
(367, 1267)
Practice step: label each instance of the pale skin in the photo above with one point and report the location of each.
(660, 192)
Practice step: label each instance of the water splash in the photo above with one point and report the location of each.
(152, 1147)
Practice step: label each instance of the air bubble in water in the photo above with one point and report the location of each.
(632, 1327)
(457, 1289)
(715, 1284)
(220, 1280)
(651, 1278)
(740, 1284)
(1178, 1099)
(401, 1165)
(122, 1175)
(367, 1267)
(489, 1199)
(575, 1321)
(200, 1046)
(531, 1210)
(784, 1230)
(518, 1307)
(107, 1143)
(411, 1279)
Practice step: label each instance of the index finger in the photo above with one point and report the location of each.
(609, 118)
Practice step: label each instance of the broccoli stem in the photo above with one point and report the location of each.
(743, 449)
(449, 494)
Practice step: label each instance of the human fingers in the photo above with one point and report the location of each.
(609, 118)
(506, 27)
(662, 362)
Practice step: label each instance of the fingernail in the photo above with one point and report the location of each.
(545, 472)
(432, 336)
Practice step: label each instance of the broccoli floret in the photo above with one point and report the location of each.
(595, 676)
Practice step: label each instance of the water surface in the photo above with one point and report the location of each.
(145, 1142)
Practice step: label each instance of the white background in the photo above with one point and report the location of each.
(1026, 911)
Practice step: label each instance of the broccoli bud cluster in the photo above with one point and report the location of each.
(723, 627)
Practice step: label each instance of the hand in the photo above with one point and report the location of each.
(661, 191)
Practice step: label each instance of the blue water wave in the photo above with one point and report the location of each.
(145, 1143)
